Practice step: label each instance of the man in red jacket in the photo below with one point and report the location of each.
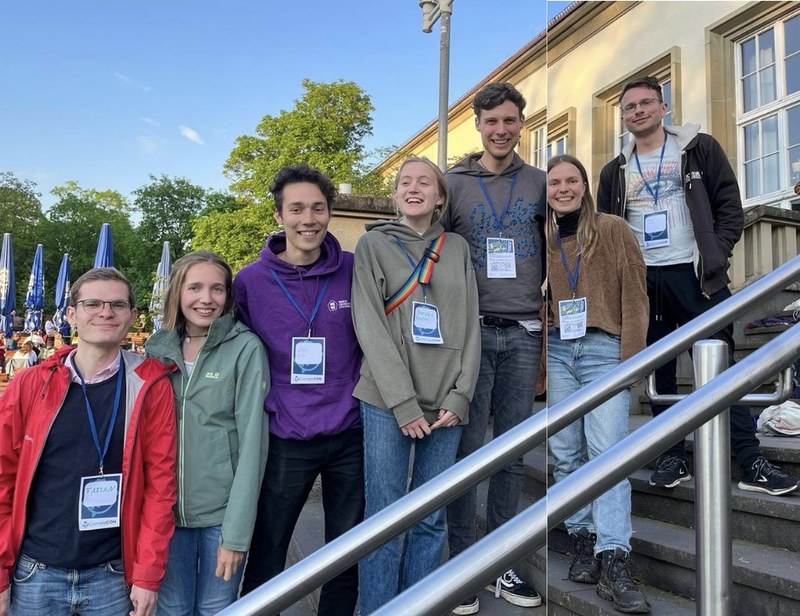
(87, 468)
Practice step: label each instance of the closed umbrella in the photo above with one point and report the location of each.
(7, 289)
(104, 257)
(160, 287)
(62, 297)
(34, 298)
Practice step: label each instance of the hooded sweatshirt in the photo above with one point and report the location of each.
(308, 410)
(517, 214)
(407, 378)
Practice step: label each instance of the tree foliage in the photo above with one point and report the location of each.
(325, 129)
(73, 226)
(236, 236)
(21, 216)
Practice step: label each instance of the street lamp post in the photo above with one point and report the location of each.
(432, 10)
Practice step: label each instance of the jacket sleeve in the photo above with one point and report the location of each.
(372, 330)
(724, 195)
(11, 432)
(633, 286)
(460, 396)
(252, 426)
(604, 191)
(158, 443)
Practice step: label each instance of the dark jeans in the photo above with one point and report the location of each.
(506, 383)
(675, 299)
(292, 467)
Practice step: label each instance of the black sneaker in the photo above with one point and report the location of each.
(670, 472)
(514, 590)
(585, 566)
(765, 477)
(616, 584)
(470, 605)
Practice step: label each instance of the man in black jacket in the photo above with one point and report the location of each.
(677, 191)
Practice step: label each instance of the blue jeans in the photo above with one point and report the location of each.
(506, 384)
(572, 364)
(38, 590)
(190, 587)
(292, 467)
(392, 568)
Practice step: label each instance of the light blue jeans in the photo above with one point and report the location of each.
(41, 590)
(392, 568)
(506, 386)
(190, 587)
(571, 364)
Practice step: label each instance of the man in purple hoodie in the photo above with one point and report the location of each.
(296, 297)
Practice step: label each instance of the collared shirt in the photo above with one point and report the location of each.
(105, 373)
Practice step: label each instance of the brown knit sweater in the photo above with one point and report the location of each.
(612, 280)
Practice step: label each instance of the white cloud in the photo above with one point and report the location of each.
(191, 134)
(150, 121)
(148, 144)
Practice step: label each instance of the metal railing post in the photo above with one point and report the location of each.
(713, 491)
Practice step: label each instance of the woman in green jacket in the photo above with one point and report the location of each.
(220, 383)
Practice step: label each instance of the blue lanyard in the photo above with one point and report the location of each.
(498, 219)
(572, 276)
(649, 188)
(291, 298)
(92, 425)
(414, 266)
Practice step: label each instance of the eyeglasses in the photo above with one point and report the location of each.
(644, 104)
(94, 306)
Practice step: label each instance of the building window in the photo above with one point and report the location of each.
(538, 139)
(557, 146)
(768, 101)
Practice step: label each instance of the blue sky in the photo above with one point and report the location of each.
(107, 93)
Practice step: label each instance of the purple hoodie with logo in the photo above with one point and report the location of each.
(309, 410)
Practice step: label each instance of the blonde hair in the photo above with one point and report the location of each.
(441, 184)
(587, 222)
(173, 317)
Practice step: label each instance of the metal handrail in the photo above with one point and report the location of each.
(341, 553)
(527, 532)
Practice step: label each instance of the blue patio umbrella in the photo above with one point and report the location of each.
(62, 297)
(160, 287)
(104, 257)
(34, 298)
(7, 289)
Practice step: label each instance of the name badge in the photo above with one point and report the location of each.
(425, 324)
(99, 502)
(308, 361)
(500, 262)
(572, 318)
(656, 230)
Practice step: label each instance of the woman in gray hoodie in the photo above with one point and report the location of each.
(415, 311)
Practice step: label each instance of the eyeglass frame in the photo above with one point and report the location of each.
(122, 310)
(644, 104)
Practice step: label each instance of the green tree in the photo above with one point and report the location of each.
(168, 206)
(236, 236)
(324, 129)
(21, 216)
(73, 226)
